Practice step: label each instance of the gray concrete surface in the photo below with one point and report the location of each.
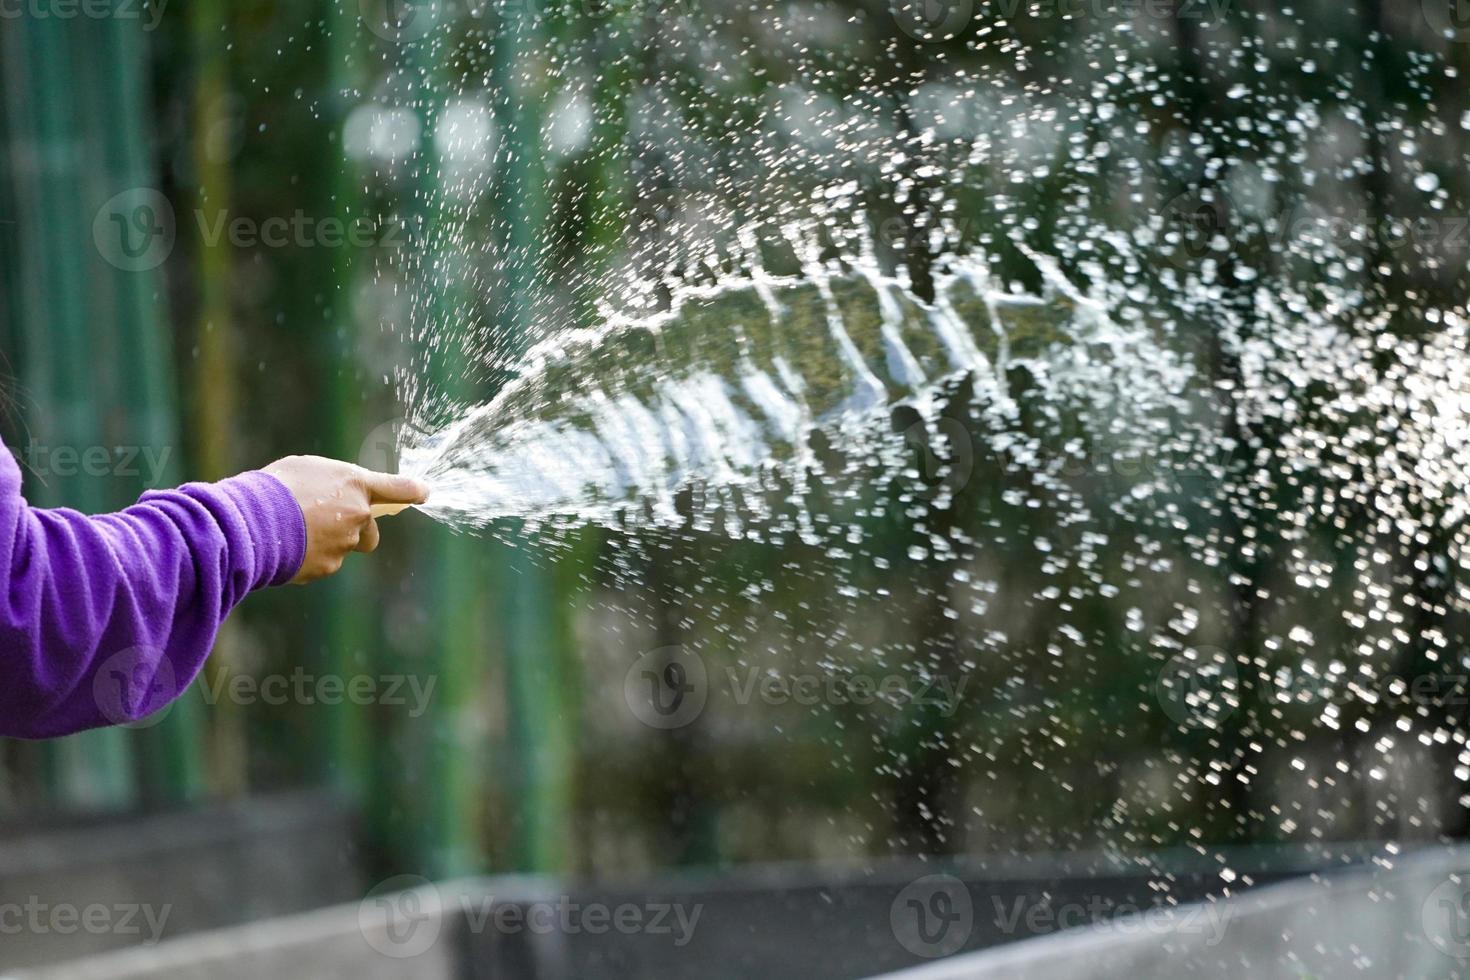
(73, 891)
(1399, 917)
(1408, 920)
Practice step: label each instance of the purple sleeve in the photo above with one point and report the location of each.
(104, 620)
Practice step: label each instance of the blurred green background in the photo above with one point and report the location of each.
(225, 355)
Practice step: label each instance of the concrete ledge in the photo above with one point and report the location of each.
(166, 875)
(327, 944)
(1373, 922)
(821, 923)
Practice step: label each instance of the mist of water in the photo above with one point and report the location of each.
(1190, 388)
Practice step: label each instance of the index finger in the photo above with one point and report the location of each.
(393, 488)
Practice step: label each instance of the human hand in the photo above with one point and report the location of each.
(337, 500)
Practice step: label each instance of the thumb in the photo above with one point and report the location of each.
(392, 488)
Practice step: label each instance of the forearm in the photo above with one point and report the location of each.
(106, 619)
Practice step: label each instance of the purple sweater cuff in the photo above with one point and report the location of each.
(275, 522)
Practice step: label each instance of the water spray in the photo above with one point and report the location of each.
(726, 390)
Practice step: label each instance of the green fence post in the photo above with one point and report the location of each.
(41, 103)
(447, 825)
(138, 375)
(345, 758)
(541, 742)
